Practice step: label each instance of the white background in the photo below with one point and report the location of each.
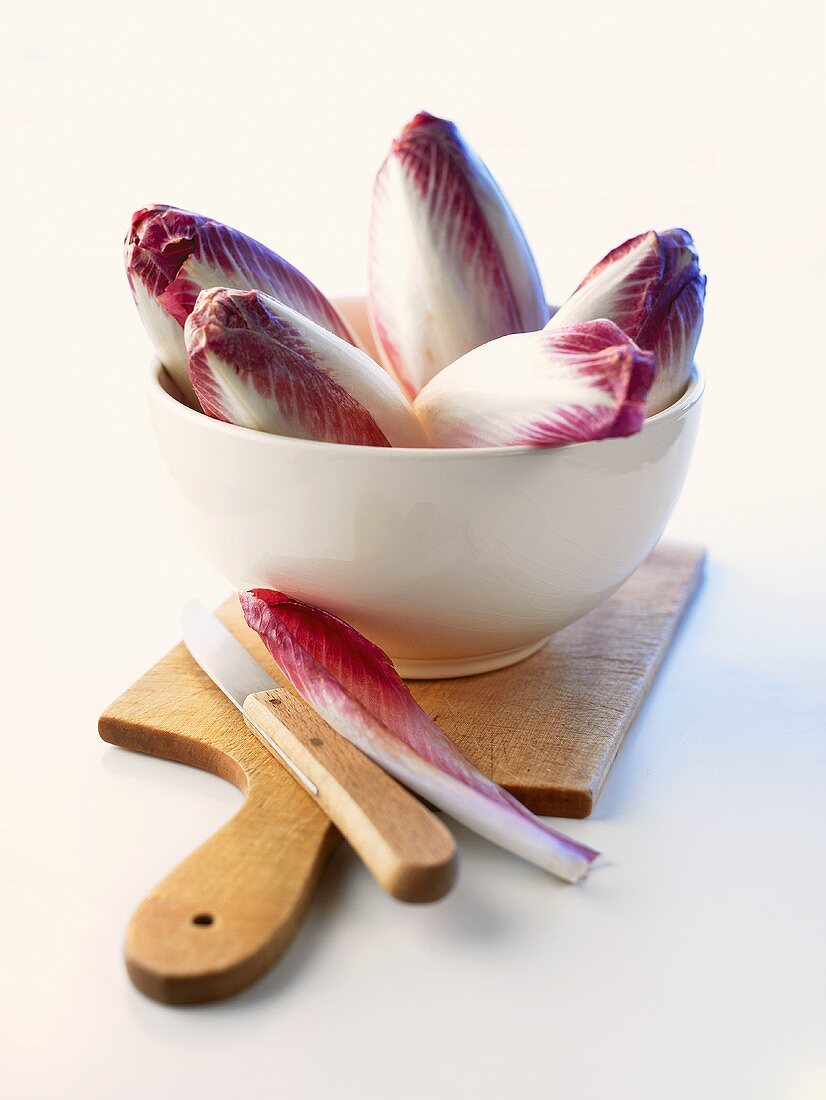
(692, 965)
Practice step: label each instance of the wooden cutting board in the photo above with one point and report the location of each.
(548, 729)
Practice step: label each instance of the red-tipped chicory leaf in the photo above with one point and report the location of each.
(255, 362)
(353, 686)
(171, 255)
(449, 266)
(544, 389)
(652, 287)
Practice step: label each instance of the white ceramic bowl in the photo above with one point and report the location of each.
(453, 561)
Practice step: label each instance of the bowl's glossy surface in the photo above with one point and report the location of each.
(453, 561)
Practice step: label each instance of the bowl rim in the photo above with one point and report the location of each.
(155, 390)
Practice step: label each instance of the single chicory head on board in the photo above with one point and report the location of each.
(352, 684)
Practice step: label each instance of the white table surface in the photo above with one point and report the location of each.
(692, 964)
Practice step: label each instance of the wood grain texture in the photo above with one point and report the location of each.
(408, 850)
(227, 913)
(547, 729)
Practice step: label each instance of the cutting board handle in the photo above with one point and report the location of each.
(229, 911)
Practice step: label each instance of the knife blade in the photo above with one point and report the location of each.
(407, 848)
(234, 670)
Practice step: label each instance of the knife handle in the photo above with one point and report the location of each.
(405, 846)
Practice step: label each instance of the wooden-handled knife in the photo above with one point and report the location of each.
(405, 846)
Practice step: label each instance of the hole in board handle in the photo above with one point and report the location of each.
(203, 919)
